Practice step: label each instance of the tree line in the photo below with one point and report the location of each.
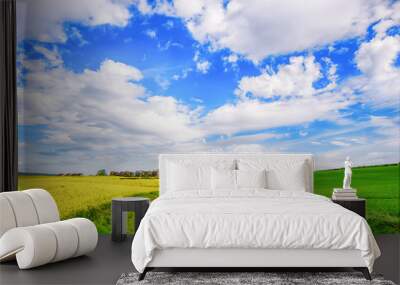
(103, 172)
(137, 173)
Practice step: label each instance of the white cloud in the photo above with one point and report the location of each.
(151, 34)
(101, 115)
(340, 143)
(303, 133)
(184, 10)
(378, 151)
(52, 56)
(392, 19)
(85, 134)
(43, 20)
(253, 114)
(386, 126)
(118, 71)
(291, 99)
(83, 127)
(293, 79)
(232, 58)
(379, 82)
(249, 148)
(75, 33)
(375, 140)
(169, 24)
(185, 72)
(203, 66)
(197, 100)
(143, 6)
(250, 139)
(162, 82)
(376, 57)
(260, 28)
(168, 45)
(359, 140)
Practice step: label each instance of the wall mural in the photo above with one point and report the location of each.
(105, 86)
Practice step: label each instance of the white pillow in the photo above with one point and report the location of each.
(251, 178)
(188, 177)
(223, 179)
(282, 174)
(193, 174)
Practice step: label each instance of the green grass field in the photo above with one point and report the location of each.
(378, 184)
(90, 196)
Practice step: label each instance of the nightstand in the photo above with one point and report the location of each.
(120, 207)
(356, 205)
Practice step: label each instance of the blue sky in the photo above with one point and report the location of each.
(111, 84)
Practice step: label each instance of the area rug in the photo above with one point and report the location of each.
(273, 278)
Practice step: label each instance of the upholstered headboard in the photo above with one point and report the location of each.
(214, 157)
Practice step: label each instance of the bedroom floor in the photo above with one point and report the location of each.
(110, 260)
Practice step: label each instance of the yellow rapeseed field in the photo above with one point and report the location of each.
(81, 193)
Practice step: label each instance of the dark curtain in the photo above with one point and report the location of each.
(8, 97)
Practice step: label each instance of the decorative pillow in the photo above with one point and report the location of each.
(251, 178)
(282, 174)
(188, 177)
(223, 179)
(193, 174)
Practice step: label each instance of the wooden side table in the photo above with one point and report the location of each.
(356, 205)
(119, 209)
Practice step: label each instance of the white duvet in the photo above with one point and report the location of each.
(250, 219)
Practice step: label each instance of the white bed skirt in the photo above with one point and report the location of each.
(190, 257)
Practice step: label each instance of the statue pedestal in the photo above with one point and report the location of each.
(344, 194)
(351, 190)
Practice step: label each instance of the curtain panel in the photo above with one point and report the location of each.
(8, 97)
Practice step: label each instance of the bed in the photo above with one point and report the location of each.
(247, 210)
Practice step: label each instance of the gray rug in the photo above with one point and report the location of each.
(228, 278)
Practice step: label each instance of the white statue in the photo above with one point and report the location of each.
(347, 173)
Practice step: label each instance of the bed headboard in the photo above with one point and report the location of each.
(165, 158)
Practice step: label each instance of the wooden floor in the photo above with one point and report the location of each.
(110, 260)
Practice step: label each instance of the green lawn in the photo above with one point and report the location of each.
(90, 196)
(378, 184)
